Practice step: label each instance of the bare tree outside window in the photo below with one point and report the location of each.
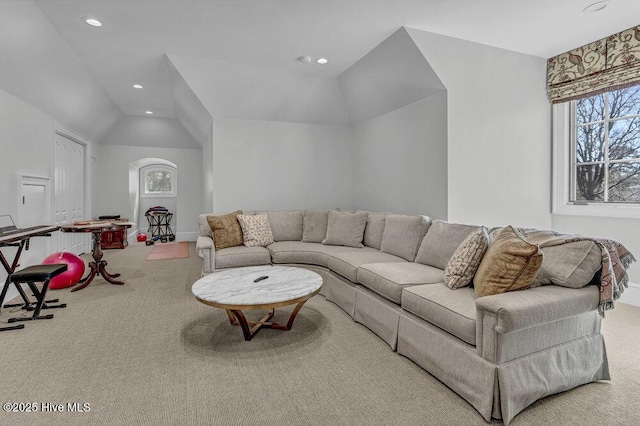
(158, 181)
(607, 142)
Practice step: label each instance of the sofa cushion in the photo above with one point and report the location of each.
(452, 311)
(511, 263)
(441, 241)
(466, 259)
(402, 235)
(388, 279)
(569, 265)
(347, 263)
(374, 229)
(226, 230)
(234, 257)
(306, 253)
(314, 225)
(286, 225)
(256, 230)
(345, 229)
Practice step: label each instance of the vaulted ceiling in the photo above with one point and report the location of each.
(235, 39)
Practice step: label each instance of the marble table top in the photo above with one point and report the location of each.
(236, 287)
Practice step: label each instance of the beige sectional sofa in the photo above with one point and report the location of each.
(500, 353)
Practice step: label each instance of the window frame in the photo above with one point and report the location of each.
(174, 181)
(564, 165)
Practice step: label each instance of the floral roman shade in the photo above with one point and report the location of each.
(607, 64)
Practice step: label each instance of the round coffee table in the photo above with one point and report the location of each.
(238, 289)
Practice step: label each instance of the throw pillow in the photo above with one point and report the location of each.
(286, 225)
(441, 241)
(345, 229)
(225, 230)
(402, 235)
(511, 263)
(466, 259)
(374, 229)
(314, 225)
(256, 230)
(570, 265)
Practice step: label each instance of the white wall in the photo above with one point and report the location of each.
(499, 138)
(401, 160)
(113, 180)
(266, 165)
(26, 147)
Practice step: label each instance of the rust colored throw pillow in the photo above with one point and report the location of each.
(511, 263)
(466, 259)
(225, 230)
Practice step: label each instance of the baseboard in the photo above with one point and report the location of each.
(187, 236)
(631, 295)
(133, 234)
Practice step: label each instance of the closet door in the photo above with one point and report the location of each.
(69, 185)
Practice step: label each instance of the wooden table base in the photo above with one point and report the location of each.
(97, 268)
(236, 317)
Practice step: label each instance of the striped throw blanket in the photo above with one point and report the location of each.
(615, 262)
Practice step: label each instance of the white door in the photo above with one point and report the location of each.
(33, 213)
(69, 200)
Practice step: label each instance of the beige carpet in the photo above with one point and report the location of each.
(165, 251)
(149, 353)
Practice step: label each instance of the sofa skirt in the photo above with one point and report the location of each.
(450, 360)
(378, 315)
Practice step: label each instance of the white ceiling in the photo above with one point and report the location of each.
(136, 34)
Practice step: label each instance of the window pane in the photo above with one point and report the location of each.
(590, 109)
(590, 143)
(589, 182)
(158, 181)
(624, 139)
(624, 102)
(624, 182)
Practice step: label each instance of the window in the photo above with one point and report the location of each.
(159, 181)
(605, 134)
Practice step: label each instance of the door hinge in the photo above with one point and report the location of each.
(23, 199)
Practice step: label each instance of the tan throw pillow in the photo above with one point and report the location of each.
(314, 225)
(511, 263)
(226, 230)
(256, 230)
(345, 229)
(466, 259)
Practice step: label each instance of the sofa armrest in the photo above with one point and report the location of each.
(523, 309)
(206, 250)
(514, 324)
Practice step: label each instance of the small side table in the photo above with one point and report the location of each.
(97, 267)
(160, 225)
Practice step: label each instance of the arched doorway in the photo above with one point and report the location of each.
(153, 182)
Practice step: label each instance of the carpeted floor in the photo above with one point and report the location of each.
(149, 353)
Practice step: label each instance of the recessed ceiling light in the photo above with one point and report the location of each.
(596, 7)
(92, 21)
(137, 86)
(149, 112)
(322, 61)
(304, 59)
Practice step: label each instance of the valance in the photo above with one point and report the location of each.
(611, 63)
